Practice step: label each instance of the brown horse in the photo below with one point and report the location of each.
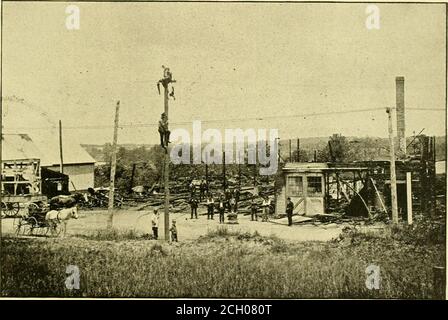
(65, 201)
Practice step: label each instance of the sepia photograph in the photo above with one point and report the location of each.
(223, 150)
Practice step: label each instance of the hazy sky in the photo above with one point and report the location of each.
(230, 60)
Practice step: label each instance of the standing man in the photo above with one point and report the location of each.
(194, 207)
(253, 210)
(155, 223)
(266, 204)
(289, 210)
(221, 208)
(210, 207)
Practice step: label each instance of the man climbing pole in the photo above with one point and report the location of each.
(164, 141)
(164, 132)
(163, 122)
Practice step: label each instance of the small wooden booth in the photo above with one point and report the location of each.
(305, 185)
(312, 185)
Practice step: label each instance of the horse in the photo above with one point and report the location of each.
(65, 201)
(55, 217)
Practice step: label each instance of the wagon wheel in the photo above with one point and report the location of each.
(32, 207)
(32, 222)
(3, 209)
(17, 224)
(10, 209)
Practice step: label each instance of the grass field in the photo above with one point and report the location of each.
(222, 263)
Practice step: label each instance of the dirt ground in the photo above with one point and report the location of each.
(190, 229)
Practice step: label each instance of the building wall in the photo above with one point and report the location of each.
(81, 176)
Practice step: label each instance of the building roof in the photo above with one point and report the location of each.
(19, 146)
(305, 166)
(23, 146)
(42, 136)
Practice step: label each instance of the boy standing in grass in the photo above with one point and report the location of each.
(253, 210)
(155, 223)
(173, 231)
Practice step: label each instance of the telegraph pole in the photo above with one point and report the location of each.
(298, 150)
(112, 169)
(61, 169)
(393, 177)
(290, 152)
(165, 81)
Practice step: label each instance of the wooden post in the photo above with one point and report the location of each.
(206, 172)
(131, 185)
(409, 196)
(255, 175)
(290, 152)
(166, 175)
(239, 171)
(338, 187)
(315, 155)
(393, 177)
(298, 150)
(61, 165)
(1, 210)
(224, 171)
(112, 169)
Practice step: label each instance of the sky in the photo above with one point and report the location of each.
(242, 64)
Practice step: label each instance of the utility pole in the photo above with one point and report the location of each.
(298, 150)
(61, 168)
(409, 196)
(206, 172)
(239, 171)
(224, 171)
(290, 152)
(393, 177)
(165, 81)
(112, 169)
(131, 185)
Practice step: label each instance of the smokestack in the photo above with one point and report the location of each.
(401, 125)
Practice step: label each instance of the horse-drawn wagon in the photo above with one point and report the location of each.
(21, 187)
(42, 222)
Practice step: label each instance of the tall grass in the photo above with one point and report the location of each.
(248, 266)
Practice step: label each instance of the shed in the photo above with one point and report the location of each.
(305, 185)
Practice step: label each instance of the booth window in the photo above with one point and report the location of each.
(314, 185)
(295, 186)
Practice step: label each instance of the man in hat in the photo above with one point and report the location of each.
(289, 210)
(163, 131)
(210, 207)
(194, 207)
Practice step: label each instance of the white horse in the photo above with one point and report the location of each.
(56, 217)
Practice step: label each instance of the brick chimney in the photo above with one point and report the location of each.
(401, 124)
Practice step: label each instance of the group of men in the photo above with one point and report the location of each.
(222, 205)
(228, 201)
